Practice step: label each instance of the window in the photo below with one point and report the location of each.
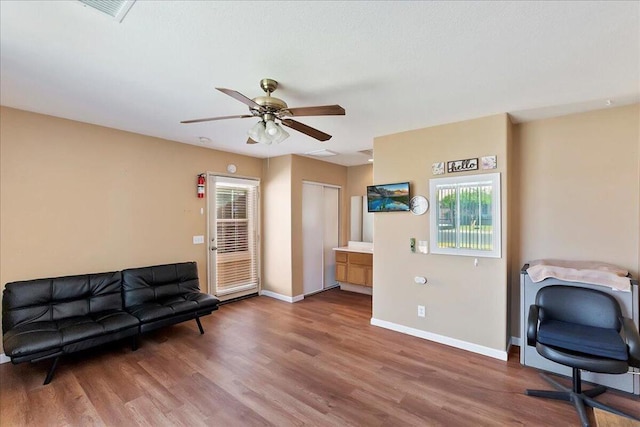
(236, 257)
(465, 215)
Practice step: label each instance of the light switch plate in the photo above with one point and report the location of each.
(198, 240)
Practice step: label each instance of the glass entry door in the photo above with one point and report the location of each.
(233, 236)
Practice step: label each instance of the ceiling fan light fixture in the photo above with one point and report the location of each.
(272, 128)
(281, 136)
(257, 132)
(269, 109)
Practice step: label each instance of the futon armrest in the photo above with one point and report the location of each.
(532, 325)
(632, 338)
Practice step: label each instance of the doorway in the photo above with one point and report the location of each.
(320, 234)
(233, 236)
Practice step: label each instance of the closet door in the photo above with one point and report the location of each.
(319, 236)
(312, 236)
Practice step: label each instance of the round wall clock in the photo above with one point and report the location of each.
(231, 168)
(419, 205)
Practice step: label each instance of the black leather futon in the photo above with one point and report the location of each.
(46, 318)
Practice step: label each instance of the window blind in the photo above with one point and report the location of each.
(237, 242)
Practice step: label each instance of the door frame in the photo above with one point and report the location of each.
(211, 288)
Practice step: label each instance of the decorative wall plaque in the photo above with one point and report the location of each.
(437, 168)
(489, 162)
(462, 165)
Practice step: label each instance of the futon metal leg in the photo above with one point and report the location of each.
(51, 370)
(134, 343)
(200, 325)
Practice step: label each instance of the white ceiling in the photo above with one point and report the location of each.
(394, 66)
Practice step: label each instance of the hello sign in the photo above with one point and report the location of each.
(462, 165)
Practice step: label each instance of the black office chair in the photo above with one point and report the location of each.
(584, 329)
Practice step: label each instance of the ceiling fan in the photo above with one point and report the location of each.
(269, 109)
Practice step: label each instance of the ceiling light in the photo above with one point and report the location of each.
(267, 132)
(321, 153)
(257, 132)
(272, 130)
(281, 136)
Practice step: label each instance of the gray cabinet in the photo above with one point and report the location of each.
(530, 357)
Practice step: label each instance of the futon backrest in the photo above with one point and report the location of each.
(59, 298)
(148, 284)
(583, 306)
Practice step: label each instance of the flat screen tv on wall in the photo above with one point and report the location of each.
(388, 197)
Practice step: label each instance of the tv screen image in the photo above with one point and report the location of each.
(388, 197)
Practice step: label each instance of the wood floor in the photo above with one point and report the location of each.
(267, 362)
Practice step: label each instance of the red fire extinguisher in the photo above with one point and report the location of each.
(201, 186)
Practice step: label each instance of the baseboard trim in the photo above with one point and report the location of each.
(516, 341)
(281, 297)
(452, 342)
(4, 359)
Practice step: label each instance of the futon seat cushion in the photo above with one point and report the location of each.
(602, 342)
(37, 337)
(30, 338)
(168, 307)
(165, 291)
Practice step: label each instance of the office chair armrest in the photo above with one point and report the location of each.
(532, 325)
(632, 338)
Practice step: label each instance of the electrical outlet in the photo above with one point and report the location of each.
(421, 311)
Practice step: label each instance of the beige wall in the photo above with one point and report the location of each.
(358, 177)
(306, 169)
(78, 198)
(282, 217)
(578, 191)
(462, 301)
(276, 230)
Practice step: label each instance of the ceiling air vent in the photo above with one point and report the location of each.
(117, 9)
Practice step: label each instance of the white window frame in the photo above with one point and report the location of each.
(494, 180)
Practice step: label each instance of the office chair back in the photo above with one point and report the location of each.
(596, 309)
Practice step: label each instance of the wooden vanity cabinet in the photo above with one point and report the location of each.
(341, 266)
(355, 268)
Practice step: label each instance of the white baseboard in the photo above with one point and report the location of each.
(516, 341)
(281, 297)
(4, 359)
(474, 348)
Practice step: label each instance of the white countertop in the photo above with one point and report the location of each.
(348, 249)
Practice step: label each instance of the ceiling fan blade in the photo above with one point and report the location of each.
(240, 97)
(307, 130)
(321, 110)
(210, 119)
(251, 141)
